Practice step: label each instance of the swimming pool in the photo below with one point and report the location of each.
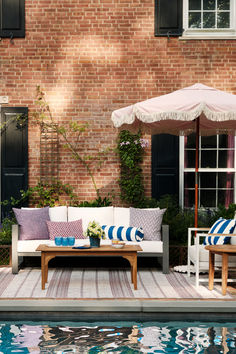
(117, 337)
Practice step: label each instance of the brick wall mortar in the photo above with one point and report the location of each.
(92, 57)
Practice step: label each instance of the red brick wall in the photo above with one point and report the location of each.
(91, 57)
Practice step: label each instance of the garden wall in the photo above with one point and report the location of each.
(94, 56)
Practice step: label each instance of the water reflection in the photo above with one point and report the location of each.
(115, 337)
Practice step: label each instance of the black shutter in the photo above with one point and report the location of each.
(12, 18)
(168, 18)
(14, 153)
(165, 165)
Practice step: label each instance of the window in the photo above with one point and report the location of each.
(217, 171)
(209, 19)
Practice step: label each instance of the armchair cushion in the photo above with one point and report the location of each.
(221, 226)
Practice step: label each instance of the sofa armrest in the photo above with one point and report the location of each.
(14, 248)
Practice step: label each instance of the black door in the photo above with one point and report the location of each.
(14, 153)
(165, 165)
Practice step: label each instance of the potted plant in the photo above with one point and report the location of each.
(95, 233)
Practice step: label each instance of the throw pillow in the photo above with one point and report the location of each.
(221, 226)
(32, 223)
(149, 220)
(123, 233)
(65, 229)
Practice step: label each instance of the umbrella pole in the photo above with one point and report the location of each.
(196, 172)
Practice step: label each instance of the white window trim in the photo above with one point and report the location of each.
(190, 33)
(182, 170)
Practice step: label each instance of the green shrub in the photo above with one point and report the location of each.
(5, 230)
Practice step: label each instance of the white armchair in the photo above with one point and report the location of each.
(198, 256)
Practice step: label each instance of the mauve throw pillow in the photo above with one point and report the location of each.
(33, 223)
(65, 229)
(149, 220)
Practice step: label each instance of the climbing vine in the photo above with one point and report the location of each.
(131, 150)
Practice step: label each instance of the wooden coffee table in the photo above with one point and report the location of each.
(128, 252)
(224, 251)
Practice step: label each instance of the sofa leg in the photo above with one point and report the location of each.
(15, 266)
(165, 265)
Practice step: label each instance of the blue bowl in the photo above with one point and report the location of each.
(58, 241)
(64, 241)
(71, 240)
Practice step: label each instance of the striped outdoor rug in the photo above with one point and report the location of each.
(100, 283)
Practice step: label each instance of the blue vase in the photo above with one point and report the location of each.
(94, 241)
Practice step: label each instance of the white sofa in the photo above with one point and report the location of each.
(105, 216)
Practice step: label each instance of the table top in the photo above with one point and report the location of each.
(102, 248)
(221, 248)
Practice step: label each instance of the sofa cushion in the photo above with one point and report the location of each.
(32, 223)
(65, 229)
(204, 257)
(103, 215)
(123, 233)
(121, 216)
(149, 220)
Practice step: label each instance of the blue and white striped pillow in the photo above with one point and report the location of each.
(123, 233)
(221, 226)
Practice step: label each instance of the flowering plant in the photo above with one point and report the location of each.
(94, 230)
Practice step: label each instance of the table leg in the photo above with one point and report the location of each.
(134, 271)
(43, 269)
(224, 272)
(211, 270)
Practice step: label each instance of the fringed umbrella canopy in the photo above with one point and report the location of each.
(176, 112)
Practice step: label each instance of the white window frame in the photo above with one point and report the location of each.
(182, 169)
(209, 33)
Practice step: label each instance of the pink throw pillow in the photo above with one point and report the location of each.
(65, 229)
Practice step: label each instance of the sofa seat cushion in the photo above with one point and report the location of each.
(204, 257)
(29, 246)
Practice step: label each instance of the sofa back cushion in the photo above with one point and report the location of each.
(58, 213)
(149, 220)
(32, 223)
(65, 229)
(121, 216)
(103, 215)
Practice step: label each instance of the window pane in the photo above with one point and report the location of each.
(208, 142)
(190, 141)
(209, 20)
(194, 4)
(226, 159)
(208, 199)
(226, 180)
(225, 197)
(223, 5)
(223, 141)
(189, 180)
(189, 198)
(208, 159)
(208, 180)
(209, 4)
(194, 20)
(189, 159)
(223, 20)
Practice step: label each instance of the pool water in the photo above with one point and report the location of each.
(117, 337)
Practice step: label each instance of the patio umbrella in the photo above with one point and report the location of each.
(198, 108)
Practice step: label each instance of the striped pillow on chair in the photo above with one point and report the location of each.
(221, 226)
(123, 233)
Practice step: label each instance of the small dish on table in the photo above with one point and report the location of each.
(117, 244)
